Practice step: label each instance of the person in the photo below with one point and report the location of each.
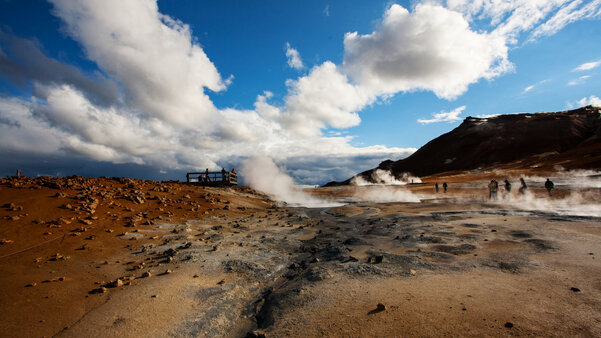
(523, 186)
(493, 186)
(549, 186)
(207, 178)
(444, 186)
(507, 188)
(233, 171)
(436, 186)
(223, 174)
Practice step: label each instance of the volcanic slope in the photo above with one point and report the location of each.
(570, 139)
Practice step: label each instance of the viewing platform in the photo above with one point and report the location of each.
(213, 178)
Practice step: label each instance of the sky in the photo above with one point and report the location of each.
(327, 89)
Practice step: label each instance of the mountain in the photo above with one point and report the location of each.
(570, 139)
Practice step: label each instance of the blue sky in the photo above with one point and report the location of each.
(325, 88)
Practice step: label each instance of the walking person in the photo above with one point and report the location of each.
(436, 186)
(523, 186)
(507, 189)
(549, 186)
(444, 187)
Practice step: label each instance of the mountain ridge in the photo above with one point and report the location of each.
(570, 139)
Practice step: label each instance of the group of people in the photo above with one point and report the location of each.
(207, 178)
(493, 188)
(444, 186)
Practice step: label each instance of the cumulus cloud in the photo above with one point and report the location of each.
(152, 56)
(587, 66)
(590, 101)
(432, 48)
(147, 104)
(294, 59)
(443, 116)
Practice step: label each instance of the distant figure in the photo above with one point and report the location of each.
(549, 186)
(493, 187)
(207, 178)
(233, 171)
(223, 174)
(507, 188)
(523, 186)
(436, 186)
(444, 186)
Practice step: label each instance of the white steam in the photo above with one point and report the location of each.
(382, 194)
(262, 174)
(575, 204)
(385, 177)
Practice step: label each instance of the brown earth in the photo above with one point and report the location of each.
(230, 262)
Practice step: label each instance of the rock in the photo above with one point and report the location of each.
(146, 274)
(168, 271)
(509, 325)
(381, 307)
(5, 241)
(196, 275)
(30, 285)
(101, 289)
(116, 283)
(575, 289)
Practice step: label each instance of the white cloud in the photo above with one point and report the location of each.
(443, 116)
(326, 11)
(161, 69)
(587, 66)
(150, 106)
(541, 18)
(529, 88)
(578, 81)
(590, 101)
(432, 48)
(294, 59)
(573, 11)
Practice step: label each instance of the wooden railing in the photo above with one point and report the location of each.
(213, 178)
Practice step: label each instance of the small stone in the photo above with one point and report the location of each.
(146, 274)
(5, 241)
(412, 272)
(221, 282)
(509, 325)
(117, 283)
(381, 307)
(30, 285)
(168, 271)
(575, 289)
(196, 275)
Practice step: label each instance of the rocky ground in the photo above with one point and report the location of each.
(119, 257)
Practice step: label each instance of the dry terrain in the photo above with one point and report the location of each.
(100, 257)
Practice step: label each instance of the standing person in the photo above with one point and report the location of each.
(493, 186)
(444, 186)
(223, 174)
(207, 178)
(549, 186)
(523, 186)
(436, 186)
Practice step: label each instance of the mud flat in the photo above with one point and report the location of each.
(443, 266)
